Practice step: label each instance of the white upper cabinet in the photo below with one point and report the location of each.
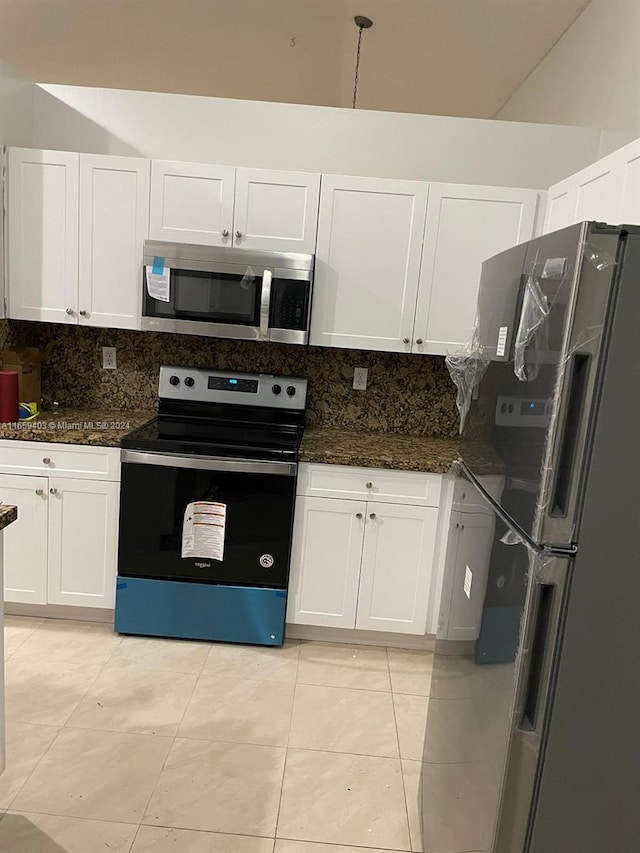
(191, 203)
(597, 193)
(629, 159)
(606, 191)
(114, 215)
(465, 226)
(397, 563)
(276, 210)
(367, 262)
(561, 207)
(43, 235)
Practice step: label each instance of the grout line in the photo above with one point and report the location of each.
(73, 817)
(134, 839)
(349, 846)
(38, 762)
(404, 787)
(173, 739)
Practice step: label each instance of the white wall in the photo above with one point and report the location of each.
(16, 107)
(591, 77)
(16, 125)
(309, 138)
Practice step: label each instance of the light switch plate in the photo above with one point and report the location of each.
(360, 378)
(109, 358)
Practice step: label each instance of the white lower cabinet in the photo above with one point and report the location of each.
(396, 569)
(326, 556)
(25, 541)
(467, 568)
(63, 548)
(362, 564)
(83, 542)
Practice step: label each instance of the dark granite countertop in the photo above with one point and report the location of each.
(8, 515)
(379, 450)
(401, 452)
(101, 427)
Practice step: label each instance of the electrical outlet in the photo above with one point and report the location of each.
(360, 378)
(109, 358)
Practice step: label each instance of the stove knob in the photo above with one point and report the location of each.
(276, 389)
(174, 380)
(189, 381)
(291, 391)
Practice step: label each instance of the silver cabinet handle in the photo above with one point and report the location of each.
(53, 491)
(69, 311)
(463, 496)
(84, 313)
(462, 527)
(39, 491)
(358, 515)
(225, 233)
(405, 340)
(369, 485)
(418, 340)
(373, 515)
(238, 234)
(46, 460)
(457, 525)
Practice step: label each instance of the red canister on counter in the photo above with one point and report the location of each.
(8, 396)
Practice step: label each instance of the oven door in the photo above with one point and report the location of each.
(250, 504)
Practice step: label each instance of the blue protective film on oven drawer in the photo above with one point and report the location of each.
(196, 611)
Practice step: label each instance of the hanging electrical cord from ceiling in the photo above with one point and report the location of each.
(362, 23)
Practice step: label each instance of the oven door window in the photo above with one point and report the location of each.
(257, 538)
(210, 297)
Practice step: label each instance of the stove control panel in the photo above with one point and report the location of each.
(223, 386)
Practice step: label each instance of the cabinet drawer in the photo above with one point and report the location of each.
(62, 460)
(339, 481)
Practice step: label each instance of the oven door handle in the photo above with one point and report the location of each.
(209, 463)
(265, 305)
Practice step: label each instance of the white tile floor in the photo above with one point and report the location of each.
(138, 745)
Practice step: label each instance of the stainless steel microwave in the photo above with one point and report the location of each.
(227, 293)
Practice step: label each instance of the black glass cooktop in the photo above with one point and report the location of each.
(217, 438)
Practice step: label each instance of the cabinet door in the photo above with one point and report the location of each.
(191, 203)
(465, 226)
(325, 562)
(276, 211)
(83, 542)
(628, 160)
(367, 262)
(397, 566)
(561, 206)
(25, 541)
(114, 223)
(472, 535)
(43, 235)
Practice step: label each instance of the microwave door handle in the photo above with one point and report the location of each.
(265, 305)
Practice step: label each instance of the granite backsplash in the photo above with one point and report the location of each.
(406, 393)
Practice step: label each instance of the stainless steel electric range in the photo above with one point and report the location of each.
(206, 508)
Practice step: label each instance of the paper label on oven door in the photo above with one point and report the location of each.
(159, 283)
(203, 530)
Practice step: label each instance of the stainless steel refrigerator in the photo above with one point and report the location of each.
(533, 726)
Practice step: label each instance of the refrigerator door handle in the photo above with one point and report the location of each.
(540, 653)
(495, 506)
(570, 435)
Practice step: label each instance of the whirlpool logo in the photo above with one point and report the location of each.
(203, 565)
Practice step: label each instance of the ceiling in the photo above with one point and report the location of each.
(446, 57)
